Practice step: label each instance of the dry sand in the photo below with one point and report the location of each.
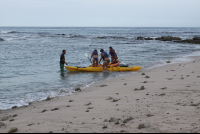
(169, 103)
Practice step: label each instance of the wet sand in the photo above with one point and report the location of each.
(168, 101)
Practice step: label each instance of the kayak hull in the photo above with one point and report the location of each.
(100, 69)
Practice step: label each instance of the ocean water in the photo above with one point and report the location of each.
(29, 57)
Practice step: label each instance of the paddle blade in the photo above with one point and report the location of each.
(86, 54)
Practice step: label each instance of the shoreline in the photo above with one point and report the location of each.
(171, 109)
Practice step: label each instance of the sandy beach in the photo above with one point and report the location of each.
(160, 100)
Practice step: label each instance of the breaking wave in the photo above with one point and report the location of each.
(7, 32)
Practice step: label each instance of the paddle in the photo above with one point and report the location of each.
(87, 57)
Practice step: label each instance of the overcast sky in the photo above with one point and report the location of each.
(100, 13)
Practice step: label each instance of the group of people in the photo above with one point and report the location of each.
(105, 57)
(94, 55)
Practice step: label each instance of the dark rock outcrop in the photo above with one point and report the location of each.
(140, 38)
(157, 38)
(60, 34)
(196, 38)
(148, 38)
(191, 41)
(101, 37)
(1, 39)
(177, 38)
(78, 89)
(167, 38)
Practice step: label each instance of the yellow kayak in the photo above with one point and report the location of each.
(100, 69)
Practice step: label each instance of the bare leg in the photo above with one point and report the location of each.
(107, 66)
(96, 64)
(104, 65)
(93, 62)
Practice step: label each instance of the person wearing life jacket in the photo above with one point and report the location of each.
(113, 55)
(106, 59)
(95, 58)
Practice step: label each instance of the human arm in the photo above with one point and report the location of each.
(64, 61)
(91, 56)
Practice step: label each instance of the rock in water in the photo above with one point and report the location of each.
(168, 61)
(177, 38)
(13, 130)
(196, 38)
(148, 38)
(48, 98)
(167, 38)
(78, 89)
(1, 39)
(14, 107)
(140, 38)
(157, 38)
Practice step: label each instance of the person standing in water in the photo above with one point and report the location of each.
(113, 55)
(106, 59)
(62, 60)
(95, 58)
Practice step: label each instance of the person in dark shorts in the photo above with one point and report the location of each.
(62, 60)
(95, 58)
(113, 55)
(106, 59)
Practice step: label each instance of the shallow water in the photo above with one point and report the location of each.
(29, 57)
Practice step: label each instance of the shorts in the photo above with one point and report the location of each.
(95, 58)
(61, 67)
(108, 61)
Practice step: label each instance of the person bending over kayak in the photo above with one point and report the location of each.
(62, 60)
(113, 55)
(95, 58)
(106, 59)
